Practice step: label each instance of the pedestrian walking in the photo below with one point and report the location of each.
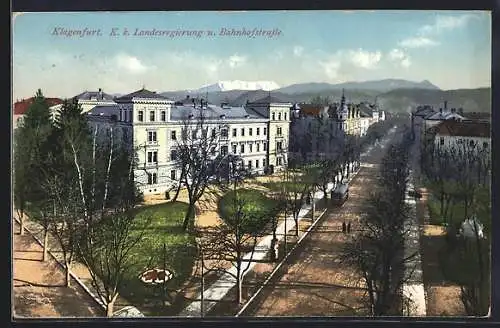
(343, 227)
(349, 227)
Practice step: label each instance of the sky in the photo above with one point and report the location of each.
(65, 54)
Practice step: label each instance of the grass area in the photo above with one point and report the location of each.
(165, 228)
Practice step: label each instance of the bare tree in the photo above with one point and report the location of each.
(198, 156)
(244, 214)
(376, 252)
(108, 254)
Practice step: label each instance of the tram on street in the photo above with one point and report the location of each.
(340, 194)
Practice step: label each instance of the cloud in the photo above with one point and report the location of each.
(442, 23)
(446, 23)
(399, 57)
(297, 51)
(331, 67)
(418, 42)
(130, 63)
(365, 59)
(236, 60)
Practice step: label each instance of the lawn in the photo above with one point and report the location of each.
(165, 228)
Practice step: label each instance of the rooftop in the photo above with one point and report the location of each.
(21, 107)
(464, 129)
(212, 112)
(143, 93)
(95, 95)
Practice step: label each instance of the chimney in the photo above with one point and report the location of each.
(445, 105)
(100, 94)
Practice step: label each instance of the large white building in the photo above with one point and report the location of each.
(156, 125)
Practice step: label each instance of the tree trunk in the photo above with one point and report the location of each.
(45, 244)
(189, 216)
(21, 223)
(68, 276)
(239, 285)
(110, 306)
(296, 219)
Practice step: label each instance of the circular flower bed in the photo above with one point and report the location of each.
(156, 276)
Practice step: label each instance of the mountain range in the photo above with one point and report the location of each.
(395, 95)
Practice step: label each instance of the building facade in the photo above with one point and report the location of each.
(258, 133)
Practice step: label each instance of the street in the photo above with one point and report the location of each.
(314, 283)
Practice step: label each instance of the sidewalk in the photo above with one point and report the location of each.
(223, 285)
(79, 272)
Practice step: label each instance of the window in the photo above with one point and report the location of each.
(242, 148)
(173, 155)
(121, 115)
(285, 116)
(223, 133)
(250, 131)
(256, 163)
(472, 143)
(250, 148)
(213, 133)
(140, 116)
(234, 132)
(249, 164)
(151, 136)
(242, 132)
(485, 145)
(279, 116)
(223, 150)
(258, 147)
(274, 116)
(265, 131)
(234, 149)
(152, 178)
(173, 135)
(278, 130)
(163, 115)
(152, 157)
(172, 175)
(152, 116)
(264, 162)
(265, 146)
(204, 133)
(258, 131)
(441, 141)
(280, 161)
(194, 134)
(279, 146)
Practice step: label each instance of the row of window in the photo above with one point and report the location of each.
(153, 177)
(250, 148)
(152, 116)
(279, 116)
(250, 132)
(152, 156)
(152, 135)
(472, 143)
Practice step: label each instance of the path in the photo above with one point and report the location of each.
(38, 286)
(224, 284)
(79, 272)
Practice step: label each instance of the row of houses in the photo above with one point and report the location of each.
(451, 127)
(263, 133)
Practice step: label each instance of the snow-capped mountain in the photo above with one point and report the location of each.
(239, 85)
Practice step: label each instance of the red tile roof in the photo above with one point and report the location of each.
(464, 129)
(21, 107)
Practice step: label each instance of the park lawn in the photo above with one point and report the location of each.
(165, 228)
